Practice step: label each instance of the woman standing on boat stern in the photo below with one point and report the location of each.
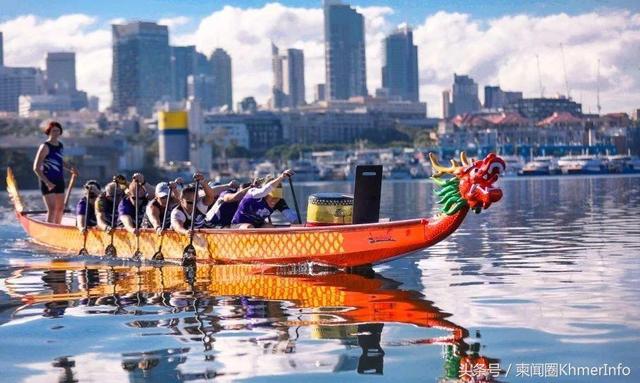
(49, 166)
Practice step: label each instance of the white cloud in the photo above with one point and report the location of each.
(173, 22)
(496, 51)
(28, 38)
(503, 51)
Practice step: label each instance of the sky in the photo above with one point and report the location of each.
(496, 42)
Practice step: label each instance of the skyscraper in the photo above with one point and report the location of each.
(202, 88)
(345, 64)
(183, 64)
(446, 104)
(319, 92)
(465, 95)
(221, 70)
(496, 98)
(16, 82)
(141, 73)
(288, 78)
(400, 65)
(61, 72)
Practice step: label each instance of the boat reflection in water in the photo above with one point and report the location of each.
(232, 316)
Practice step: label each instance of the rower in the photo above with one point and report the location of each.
(140, 193)
(92, 189)
(181, 214)
(222, 211)
(104, 203)
(260, 202)
(165, 193)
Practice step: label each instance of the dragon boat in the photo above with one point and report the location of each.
(464, 185)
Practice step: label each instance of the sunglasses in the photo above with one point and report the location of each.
(188, 202)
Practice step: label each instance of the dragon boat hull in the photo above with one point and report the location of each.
(338, 246)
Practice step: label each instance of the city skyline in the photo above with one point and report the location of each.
(499, 51)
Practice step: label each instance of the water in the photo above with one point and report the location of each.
(547, 277)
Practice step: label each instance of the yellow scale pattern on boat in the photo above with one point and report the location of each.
(271, 246)
(222, 280)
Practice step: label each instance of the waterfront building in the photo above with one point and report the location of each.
(379, 105)
(44, 103)
(16, 82)
(400, 65)
(227, 131)
(173, 136)
(220, 62)
(264, 129)
(345, 62)
(465, 95)
(141, 71)
(540, 108)
(288, 78)
(311, 128)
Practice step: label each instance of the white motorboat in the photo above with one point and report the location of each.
(582, 164)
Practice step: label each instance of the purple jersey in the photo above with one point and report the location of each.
(256, 210)
(126, 207)
(53, 162)
(81, 209)
(224, 211)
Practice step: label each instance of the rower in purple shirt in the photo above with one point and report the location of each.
(260, 202)
(221, 213)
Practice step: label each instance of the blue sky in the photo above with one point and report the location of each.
(412, 11)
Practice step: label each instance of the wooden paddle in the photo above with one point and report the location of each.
(295, 200)
(68, 192)
(158, 256)
(189, 253)
(137, 255)
(110, 250)
(84, 251)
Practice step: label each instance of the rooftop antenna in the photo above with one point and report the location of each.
(564, 67)
(540, 77)
(598, 89)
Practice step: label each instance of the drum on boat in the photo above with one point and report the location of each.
(326, 209)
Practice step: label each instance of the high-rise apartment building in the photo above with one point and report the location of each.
(183, 64)
(345, 62)
(61, 72)
(16, 82)
(400, 65)
(288, 78)
(141, 72)
(496, 98)
(465, 95)
(221, 70)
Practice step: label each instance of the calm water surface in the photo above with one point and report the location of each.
(547, 277)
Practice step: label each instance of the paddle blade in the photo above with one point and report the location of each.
(189, 255)
(12, 189)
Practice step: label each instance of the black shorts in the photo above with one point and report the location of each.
(59, 189)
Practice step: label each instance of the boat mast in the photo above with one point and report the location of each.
(539, 77)
(564, 67)
(598, 89)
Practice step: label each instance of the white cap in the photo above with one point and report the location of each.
(162, 189)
